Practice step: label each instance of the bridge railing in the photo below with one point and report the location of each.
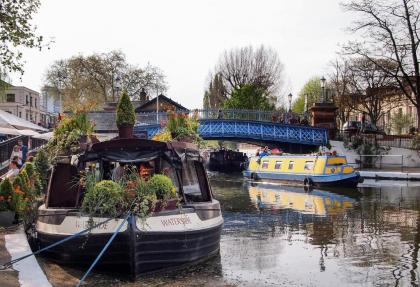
(230, 114)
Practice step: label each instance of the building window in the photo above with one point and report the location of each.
(35, 102)
(27, 116)
(30, 101)
(10, 98)
(20, 114)
(291, 163)
(278, 165)
(309, 165)
(265, 164)
(27, 100)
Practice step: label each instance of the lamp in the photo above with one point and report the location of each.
(290, 96)
(117, 85)
(322, 82)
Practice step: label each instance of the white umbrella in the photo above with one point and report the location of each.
(8, 120)
(45, 136)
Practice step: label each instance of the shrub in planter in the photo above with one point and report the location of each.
(6, 193)
(105, 198)
(126, 116)
(162, 186)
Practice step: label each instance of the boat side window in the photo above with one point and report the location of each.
(278, 165)
(291, 163)
(265, 164)
(194, 182)
(168, 170)
(309, 165)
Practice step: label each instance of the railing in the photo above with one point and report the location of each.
(381, 140)
(6, 148)
(229, 114)
(392, 162)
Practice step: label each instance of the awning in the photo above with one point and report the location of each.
(8, 120)
(44, 136)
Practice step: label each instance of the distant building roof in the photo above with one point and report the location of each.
(144, 107)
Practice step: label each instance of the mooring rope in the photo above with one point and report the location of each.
(10, 263)
(117, 230)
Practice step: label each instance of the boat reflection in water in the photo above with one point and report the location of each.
(315, 202)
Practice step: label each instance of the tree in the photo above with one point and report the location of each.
(249, 97)
(371, 89)
(400, 121)
(17, 32)
(339, 83)
(390, 30)
(215, 95)
(261, 68)
(92, 79)
(312, 88)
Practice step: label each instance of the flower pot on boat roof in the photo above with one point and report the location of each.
(125, 116)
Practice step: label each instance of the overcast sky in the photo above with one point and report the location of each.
(186, 37)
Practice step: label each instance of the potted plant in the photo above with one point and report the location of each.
(8, 203)
(106, 197)
(125, 116)
(165, 191)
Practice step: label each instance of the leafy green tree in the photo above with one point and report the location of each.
(249, 96)
(312, 88)
(17, 32)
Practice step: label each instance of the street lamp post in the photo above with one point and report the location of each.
(322, 82)
(290, 96)
(117, 86)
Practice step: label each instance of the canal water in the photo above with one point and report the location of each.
(284, 236)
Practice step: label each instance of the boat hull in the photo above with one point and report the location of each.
(336, 180)
(135, 251)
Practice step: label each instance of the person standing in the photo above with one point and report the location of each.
(16, 153)
(24, 150)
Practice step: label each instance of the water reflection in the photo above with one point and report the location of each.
(278, 235)
(321, 238)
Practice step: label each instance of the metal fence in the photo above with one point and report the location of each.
(230, 114)
(405, 141)
(383, 162)
(6, 148)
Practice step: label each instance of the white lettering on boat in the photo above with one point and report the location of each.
(85, 225)
(176, 221)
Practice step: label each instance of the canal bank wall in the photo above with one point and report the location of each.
(25, 273)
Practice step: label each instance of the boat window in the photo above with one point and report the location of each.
(291, 163)
(265, 164)
(278, 165)
(194, 182)
(309, 165)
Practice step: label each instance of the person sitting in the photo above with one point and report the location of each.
(118, 172)
(13, 169)
(265, 152)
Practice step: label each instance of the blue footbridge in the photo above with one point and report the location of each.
(287, 131)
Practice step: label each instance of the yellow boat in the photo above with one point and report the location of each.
(310, 170)
(317, 202)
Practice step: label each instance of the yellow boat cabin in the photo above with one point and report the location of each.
(311, 170)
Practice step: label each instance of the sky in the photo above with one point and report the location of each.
(185, 38)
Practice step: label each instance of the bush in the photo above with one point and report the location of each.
(125, 111)
(162, 186)
(6, 193)
(42, 165)
(106, 198)
(68, 133)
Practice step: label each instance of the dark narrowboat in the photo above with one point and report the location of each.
(169, 237)
(227, 161)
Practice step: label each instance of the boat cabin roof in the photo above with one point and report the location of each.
(136, 150)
